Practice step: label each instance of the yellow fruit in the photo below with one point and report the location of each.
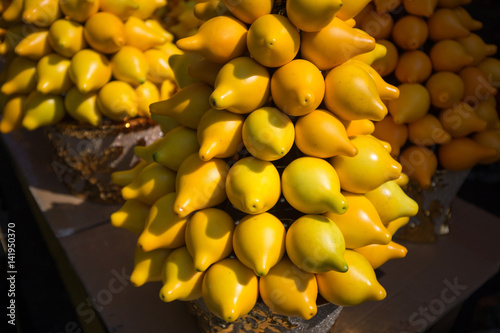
(187, 106)
(147, 152)
(212, 124)
(358, 127)
(230, 289)
(82, 107)
(445, 89)
(413, 67)
(351, 8)
(253, 186)
(34, 46)
(89, 70)
(461, 120)
(410, 32)
(420, 8)
(477, 86)
(379, 25)
(209, 237)
(298, 87)
(147, 93)
(42, 110)
(175, 147)
(371, 167)
(158, 64)
(192, 173)
(179, 64)
(392, 202)
(20, 76)
(79, 10)
(41, 13)
(104, 32)
(491, 67)
(123, 9)
(151, 183)
(139, 35)
(204, 70)
(351, 94)
(147, 8)
(241, 86)
(387, 64)
(311, 185)
(475, 47)
(219, 39)
(289, 291)
(164, 229)
(394, 226)
(209, 9)
(248, 11)
(379, 52)
(427, 131)
(446, 24)
(395, 134)
(53, 76)
(166, 123)
(463, 153)
(356, 286)
(129, 65)
(413, 103)
(13, 11)
(13, 114)
(334, 44)
(148, 266)
(489, 113)
(468, 21)
(387, 5)
(491, 139)
(385, 90)
(312, 16)
(449, 55)
(420, 164)
(321, 134)
(66, 37)
(117, 101)
(316, 245)
(360, 224)
(378, 254)
(268, 134)
(131, 216)
(259, 242)
(156, 26)
(180, 280)
(125, 177)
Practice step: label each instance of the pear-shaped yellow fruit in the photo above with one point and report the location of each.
(378, 254)
(311, 185)
(41, 13)
(42, 110)
(289, 291)
(395, 134)
(298, 87)
(146, 93)
(351, 8)
(180, 280)
(312, 16)
(159, 66)
(394, 226)
(321, 134)
(204, 70)
(200, 184)
(360, 224)
(259, 242)
(13, 114)
(413, 103)
(79, 10)
(152, 182)
(446, 24)
(104, 32)
(147, 8)
(356, 286)
(130, 65)
(146, 152)
(427, 131)
(117, 100)
(461, 120)
(241, 86)
(385, 90)
(463, 153)
(249, 10)
(449, 55)
(477, 48)
(230, 289)
(148, 266)
(370, 168)
(420, 164)
(164, 229)
(53, 74)
(66, 37)
(209, 237)
(89, 70)
(212, 143)
(253, 185)
(268, 133)
(35, 45)
(131, 216)
(20, 76)
(140, 36)
(176, 146)
(125, 177)
(358, 127)
(315, 244)
(391, 202)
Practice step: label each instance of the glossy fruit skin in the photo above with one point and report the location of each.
(298, 87)
(315, 244)
(34, 46)
(310, 17)
(463, 153)
(446, 24)
(385, 90)
(79, 10)
(104, 32)
(253, 186)
(66, 37)
(445, 89)
(395, 134)
(289, 291)
(139, 35)
(248, 11)
(449, 55)
(350, 9)
(410, 32)
(148, 266)
(378, 254)
(125, 177)
(42, 110)
(413, 67)
(259, 242)
(209, 237)
(131, 216)
(413, 103)
(53, 75)
(117, 100)
(420, 164)
(20, 77)
(129, 65)
(311, 185)
(356, 286)
(176, 146)
(82, 107)
(371, 167)
(427, 131)
(461, 120)
(420, 8)
(268, 133)
(180, 280)
(230, 289)
(387, 64)
(489, 138)
(147, 93)
(13, 114)
(89, 70)
(360, 224)
(163, 230)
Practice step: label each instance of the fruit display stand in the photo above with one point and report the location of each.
(95, 260)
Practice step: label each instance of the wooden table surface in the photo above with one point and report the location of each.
(95, 260)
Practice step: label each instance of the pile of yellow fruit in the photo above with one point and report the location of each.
(268, 181)
(89, 59)
(446, 116)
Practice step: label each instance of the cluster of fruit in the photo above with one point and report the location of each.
(90, 59)
(267, 180)
(446, 116)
